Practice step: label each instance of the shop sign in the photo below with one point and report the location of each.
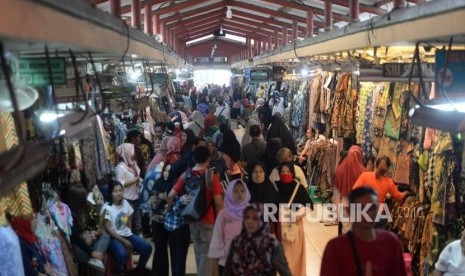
(454, 75)
(402, 70)
(258, 75)
(34, 71)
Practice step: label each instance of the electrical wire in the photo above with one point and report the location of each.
(441, 84)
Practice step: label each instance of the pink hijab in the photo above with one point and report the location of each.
(126, 152)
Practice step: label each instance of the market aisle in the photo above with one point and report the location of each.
(317, 236)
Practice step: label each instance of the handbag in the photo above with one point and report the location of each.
(289, 229)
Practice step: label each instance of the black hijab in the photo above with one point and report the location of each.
(270, 157)
(278, 129)
(286, 190)
(230, 145)
(262, 192)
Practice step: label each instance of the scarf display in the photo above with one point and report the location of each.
(252, 253)
(233, 208)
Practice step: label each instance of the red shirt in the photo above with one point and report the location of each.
(214, 190)
(385, 255)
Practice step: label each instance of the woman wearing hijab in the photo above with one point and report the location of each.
(203, 106)
(196, 125)
(211, 130)
(278, 129)
(262, 190)
(170, 147)
(246, 139)
(346, 175)
(293, 236)
(127, 173)
(194, 98)
(231, 151)
(270, 158)
(255, 251)
(265, 117)
(228, 223)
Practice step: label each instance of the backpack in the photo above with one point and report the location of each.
(196, 187)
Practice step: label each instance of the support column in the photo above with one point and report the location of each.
(115, 7)
(399, 4)
(135, 8)
(285, 39)
(148, 28)
(328, 16)
(156, 23)
(309, 28)
(162, 32)
(276, 39)
(270, 42)
(354, 10)
(294, 30)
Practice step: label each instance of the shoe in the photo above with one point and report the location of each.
(96, 264)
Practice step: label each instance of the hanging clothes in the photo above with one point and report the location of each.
(11, 261)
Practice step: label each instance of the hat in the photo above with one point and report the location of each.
(25, 95)
(210, 120)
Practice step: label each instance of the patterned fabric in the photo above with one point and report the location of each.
(349, 118)
(389, 148)
(379, 114)
(173, 219)
(364, 100)
(393, 116)
(338, 111)
(88, 150)
(18, 202)
(102, 166)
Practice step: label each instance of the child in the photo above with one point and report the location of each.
(118, 213)
(229, 222)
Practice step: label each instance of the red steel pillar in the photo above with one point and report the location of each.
(354, 10)
(148, 28)
(115, 7)
(309, 28)
(328, 15)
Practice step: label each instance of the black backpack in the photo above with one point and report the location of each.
(196, 187)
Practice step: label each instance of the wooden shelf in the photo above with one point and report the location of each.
(27, 25)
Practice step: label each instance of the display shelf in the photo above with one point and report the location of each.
(26, 26)
(433, 21)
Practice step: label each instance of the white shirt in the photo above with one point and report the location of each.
(278, 107)
(123, 174)
(452, 261)
(299, 176)
(119, 216)
(226, 112)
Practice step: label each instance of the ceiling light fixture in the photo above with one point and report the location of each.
(221, 30)
(229, 13)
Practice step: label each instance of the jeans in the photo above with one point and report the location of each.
(136, 216)
(179, 245)
(178, 241)
(201, 235)
(120, 254)
(100, 245)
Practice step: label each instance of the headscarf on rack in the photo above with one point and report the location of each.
(348, 172)
(252, 252)
(278, 129)
(233, 208)
(125, 153)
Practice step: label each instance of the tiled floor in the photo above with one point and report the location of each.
(316, 237)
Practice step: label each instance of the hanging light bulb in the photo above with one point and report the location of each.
(229, 13)
(221, 30)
